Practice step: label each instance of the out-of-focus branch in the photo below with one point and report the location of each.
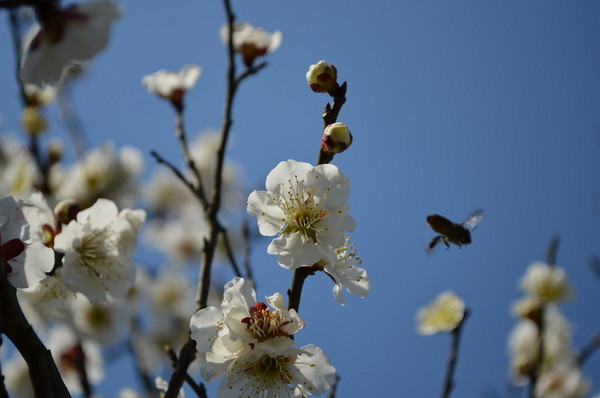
(336, 380)
(552, 250)
(71, 121)
(79, 359)
(535, 372)
(452, 358)
(589, 349)
(44, 374)
(246, 253)
(140, 369)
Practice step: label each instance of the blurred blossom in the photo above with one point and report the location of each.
(444, 314)
(251, 42)
(103, 172)
(17, 169)
(33, 121)
(546, 282)
(562, 382)
(75, 33)
(47, 300)
(248, 342)
(322, 77)
(16, 377)
(171, 294)
(97, 250)
(100, 322)
(528, 307)
(336, 138)
(182, 237)
(306, 207)
(523, 344)
(24, 259)
(39, 95)
(172, 86)
(346, 273)
(129, 393)
(66, 352)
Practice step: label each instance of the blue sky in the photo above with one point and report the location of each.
(454, 106)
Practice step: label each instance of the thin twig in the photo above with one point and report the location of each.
(198, 388)
(330, 116)
(452, 358)
(187, 157)
(295, 290)
(589, 349)
(229, 251)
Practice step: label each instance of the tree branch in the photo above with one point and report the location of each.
(452, 358)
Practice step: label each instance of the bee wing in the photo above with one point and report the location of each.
(473, 220)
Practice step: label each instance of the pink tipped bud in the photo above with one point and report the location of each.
(322, 77)
(336, 138)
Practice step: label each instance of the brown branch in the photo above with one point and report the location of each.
(79, 359)
(295, 291)
(10, 4)
(229, 251)
(43, 372)
(452, 358)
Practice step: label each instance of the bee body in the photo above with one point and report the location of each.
(451, 232)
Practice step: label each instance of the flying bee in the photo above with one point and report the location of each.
(459, 234)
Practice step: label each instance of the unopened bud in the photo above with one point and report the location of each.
(336, 138)
(66, 210)
(32, 120)
(322, 77)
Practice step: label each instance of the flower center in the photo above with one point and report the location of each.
(264, 323)
(302, 210)
(269, 371)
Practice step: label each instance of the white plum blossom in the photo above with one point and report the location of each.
(306, 207)
(346, 273)
(251, 42)
(172, 85)
(444, 314)
(17, 169)
(65, 36)
(248, 343)
(100, 322)
(97, 248)
(546, 282)
(24, 259)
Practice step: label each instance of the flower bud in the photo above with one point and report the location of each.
(336, 138)
(322, 77)
(66, 210)
(32, 120)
